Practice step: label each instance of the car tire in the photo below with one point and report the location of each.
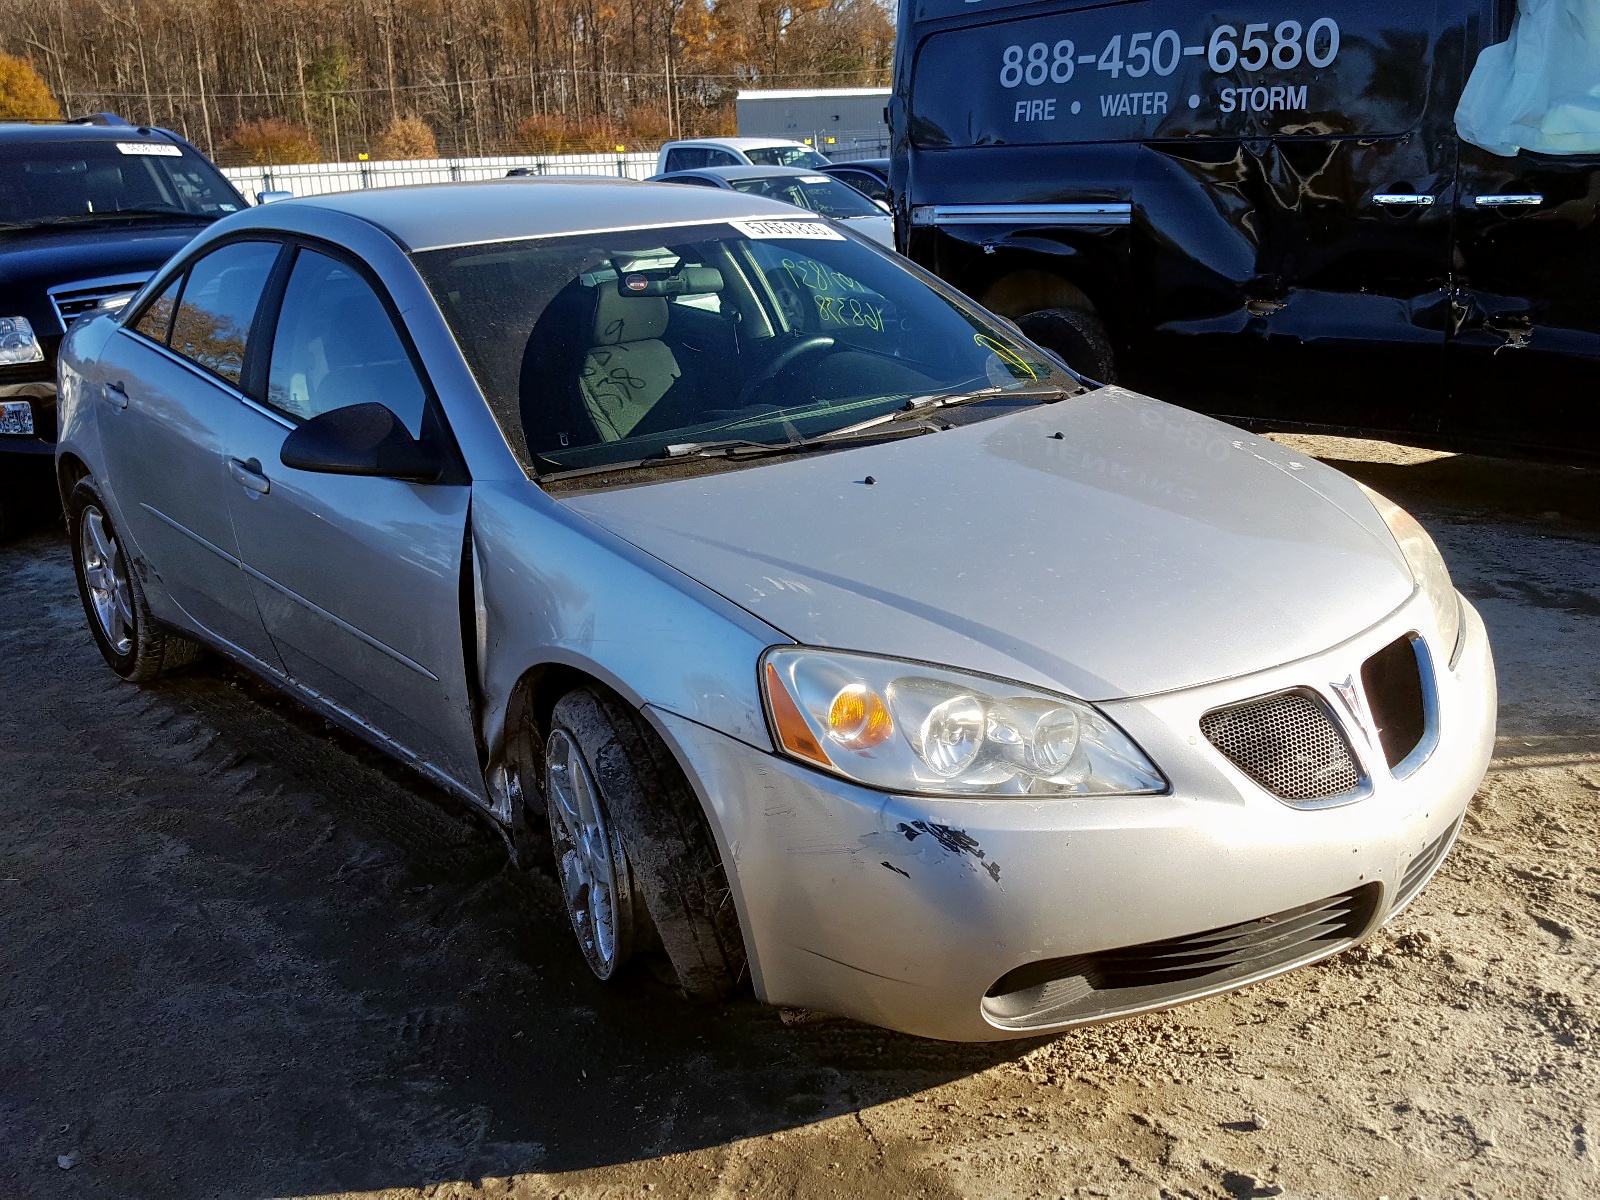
(641, 834)
(1079, 337)
(133, 643)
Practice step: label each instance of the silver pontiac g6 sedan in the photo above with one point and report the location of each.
(840, 635)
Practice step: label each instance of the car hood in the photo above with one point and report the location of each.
(1106, 546)
(879, 228)
(32, 260)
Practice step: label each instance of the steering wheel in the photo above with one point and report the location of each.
(781, 362)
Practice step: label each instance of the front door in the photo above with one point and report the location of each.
(359, 579)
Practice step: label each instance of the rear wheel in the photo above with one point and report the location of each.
(1079, 337)
(133, 644)
(633, 852)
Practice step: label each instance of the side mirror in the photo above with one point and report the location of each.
(363, 439)
(884, 204)
(273, 197)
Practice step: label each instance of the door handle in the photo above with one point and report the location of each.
(117, 394)
(248, 476)
(1403, 199)
(1509, 200)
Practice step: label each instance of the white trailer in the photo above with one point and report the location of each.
(843, 123)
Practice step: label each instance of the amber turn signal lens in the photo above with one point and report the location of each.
(859, 719)
(793, 732)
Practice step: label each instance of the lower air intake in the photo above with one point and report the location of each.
(1088, 986)
(1288, 742)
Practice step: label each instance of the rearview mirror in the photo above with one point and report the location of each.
(273, 197)
(363, 439)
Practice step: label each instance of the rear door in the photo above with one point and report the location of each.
(359, 579)
(1526, 337)
(1297, 246)
(173, 377)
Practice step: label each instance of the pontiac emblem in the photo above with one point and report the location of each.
(1350, 696)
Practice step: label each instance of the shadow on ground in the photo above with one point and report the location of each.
(246, 956)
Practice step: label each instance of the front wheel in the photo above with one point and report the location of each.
(1077, 336)
(633, 852)
(130, 640)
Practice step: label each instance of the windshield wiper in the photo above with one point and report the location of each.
(109, 214)
(732, 449)
(917, 408)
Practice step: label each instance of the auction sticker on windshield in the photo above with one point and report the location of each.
(1160, 69)
(767, 230)
(163, 149)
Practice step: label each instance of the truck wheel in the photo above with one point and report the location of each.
(632, 848)
(1077, 336)
(133, 644)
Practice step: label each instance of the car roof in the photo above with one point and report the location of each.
(735, 143)
(874, 166)
(431, 216)
(36, 133)
(751, 172)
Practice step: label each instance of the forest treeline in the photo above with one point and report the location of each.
(291, 80)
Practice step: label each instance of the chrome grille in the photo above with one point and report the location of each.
(1088, 986)
(72, 300)
(1288, 743)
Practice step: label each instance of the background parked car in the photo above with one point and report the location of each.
(736, 151)
(802, 188)
(88, 209)
(869, 176)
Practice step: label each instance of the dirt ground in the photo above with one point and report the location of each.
(243, 956)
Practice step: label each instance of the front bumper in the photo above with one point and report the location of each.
(41, 395)
(905, 911)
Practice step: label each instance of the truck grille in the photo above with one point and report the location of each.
(72, 300)
(1089, 986)
(1288, 742)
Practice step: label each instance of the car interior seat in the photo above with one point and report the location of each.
(628, 368)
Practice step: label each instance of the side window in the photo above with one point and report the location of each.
(869, 185)
(336, 346)
(687, 158)
(212, 322)
(156, 319)
(722, 158)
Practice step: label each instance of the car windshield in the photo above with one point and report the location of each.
(81, 180)
(616, 348)
(786, 156)
(820, 193)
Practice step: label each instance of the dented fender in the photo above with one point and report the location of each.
(551, 588)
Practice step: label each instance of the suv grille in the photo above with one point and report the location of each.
(1288, 743)
(1087, 986)
(72, 300)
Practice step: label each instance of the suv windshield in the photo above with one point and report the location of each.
(786, 156)
(820, 193)
(82, 180)
(614, 348)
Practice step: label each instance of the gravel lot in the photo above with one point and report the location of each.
(244, 956)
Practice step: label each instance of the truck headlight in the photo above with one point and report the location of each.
(1427, 569)
(908, 727)
(18, 343)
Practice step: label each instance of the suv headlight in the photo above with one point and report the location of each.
(1427, 568)
(908, 727)
(17, 342)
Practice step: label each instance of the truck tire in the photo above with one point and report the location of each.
(624, 821)
(1077, 336)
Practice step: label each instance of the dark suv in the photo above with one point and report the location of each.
(88, 210)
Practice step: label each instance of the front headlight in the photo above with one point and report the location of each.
(1427, 568)
(907, 727)
(17, 342)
